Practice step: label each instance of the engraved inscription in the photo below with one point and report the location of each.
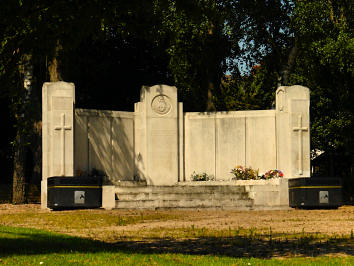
(62, 103)
(161, 104)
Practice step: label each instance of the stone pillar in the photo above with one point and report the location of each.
(58, 100)
(293, 130)
(108, 197)
(157, 143)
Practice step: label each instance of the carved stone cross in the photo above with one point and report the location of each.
(300, 129)
(62, 128)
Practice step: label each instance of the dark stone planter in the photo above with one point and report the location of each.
(315, 192)
(74, 192)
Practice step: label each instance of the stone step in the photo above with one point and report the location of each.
(152, 197)
(184, 203)
(180, 189)
(176, 196)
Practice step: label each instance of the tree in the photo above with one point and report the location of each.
(325, 64)
(300, 42)
(264, 56)
(188, 36)
(195, 39)
(31, 34)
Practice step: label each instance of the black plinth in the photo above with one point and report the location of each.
(315, 192)
(74, 192)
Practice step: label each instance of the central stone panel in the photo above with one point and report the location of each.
(156, 143)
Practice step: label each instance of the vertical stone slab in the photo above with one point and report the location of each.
(283, 132)
(81, 141)
(58, 100)
(293, 131)
(140, 168)
(104, 141)
(230, 142)
(181, 176)
(122, 147)
(261, 140)
(200, 144)
(100, 141)
(157, 137)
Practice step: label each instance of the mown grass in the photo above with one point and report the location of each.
(84, 219)
(24, 246)
(163, 238)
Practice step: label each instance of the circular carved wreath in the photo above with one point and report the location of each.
(161, 104)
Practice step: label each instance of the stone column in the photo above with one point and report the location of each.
(157, 135)
(293, 131)
(58, 100)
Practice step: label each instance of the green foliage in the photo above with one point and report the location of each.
(249, 92)
(325, 65)
(197, 47)
(264, 36)
(302, 42)
(262, 27)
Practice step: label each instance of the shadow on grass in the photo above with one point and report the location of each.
(243, 247)
(22, 241)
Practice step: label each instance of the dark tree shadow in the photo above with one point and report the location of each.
(242, 247)
(40, 242)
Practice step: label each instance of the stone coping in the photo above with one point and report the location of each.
(103, 113)
(228, 114)
(273, 181)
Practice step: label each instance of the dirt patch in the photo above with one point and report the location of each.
(339, 221)
(20, 208)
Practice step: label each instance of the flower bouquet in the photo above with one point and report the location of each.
(201, 177)
(272, 174)
(244, 173)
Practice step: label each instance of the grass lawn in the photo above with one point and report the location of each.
(166, 238)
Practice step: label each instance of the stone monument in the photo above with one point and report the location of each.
(158, 146)
(157, 118)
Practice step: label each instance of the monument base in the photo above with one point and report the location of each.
(74, 192)
(236, 195)
(315, 192)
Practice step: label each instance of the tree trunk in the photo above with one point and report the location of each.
(288, 67)
(36, 150)
(53, 68)
(19, 174)
(210, 104)
(19, 180)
